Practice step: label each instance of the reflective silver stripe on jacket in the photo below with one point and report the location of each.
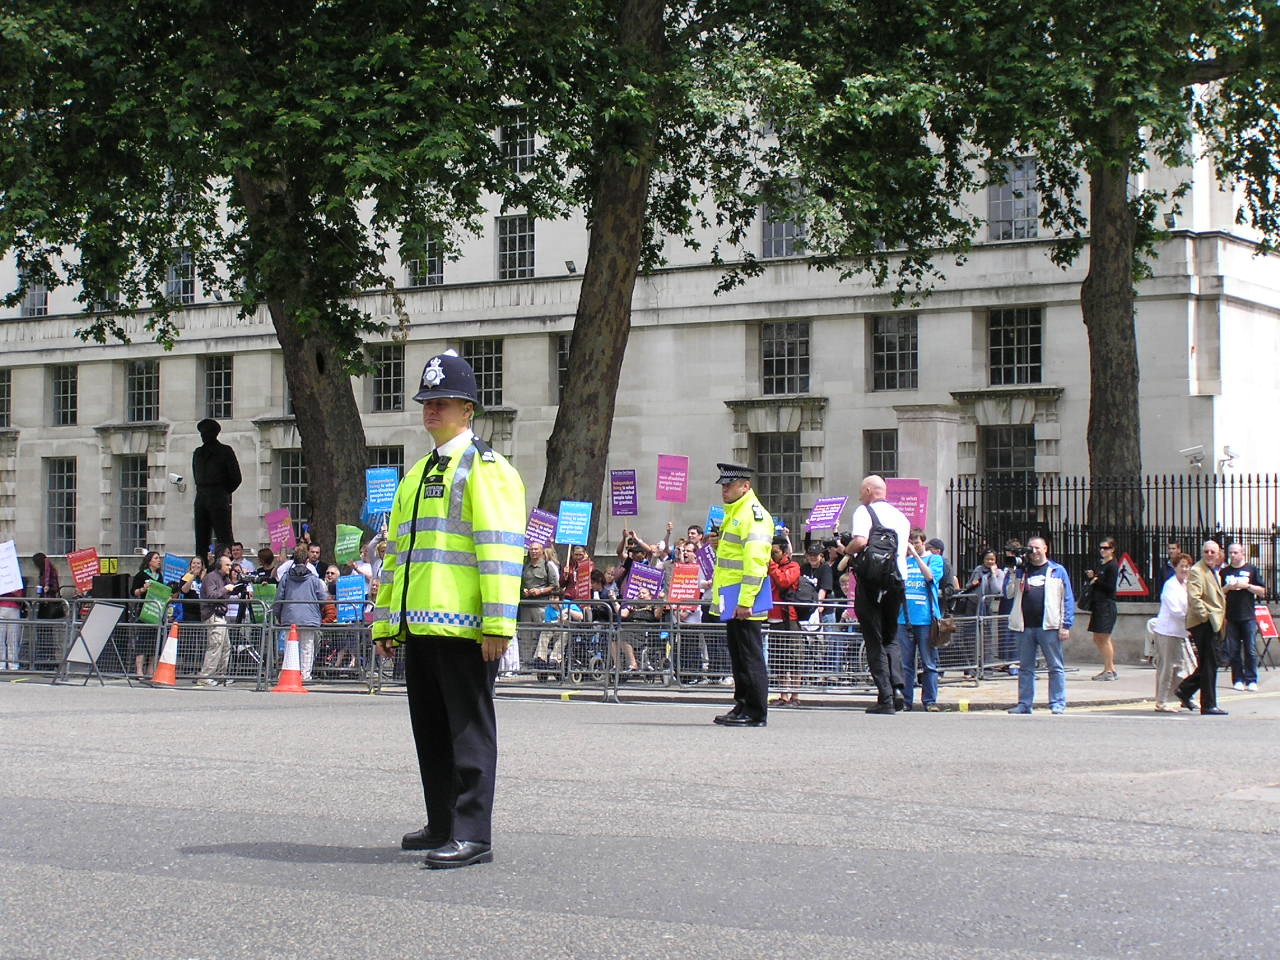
(381, 613)
(504, 537)
(758, 537)
(435, 525)
(387, 576)
(501, 611)
(752, 581)
(724, 564)
(501, 568)
(728, 537)
(459, 489)
(456, 558)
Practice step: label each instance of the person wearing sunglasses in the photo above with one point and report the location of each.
(1103, 619)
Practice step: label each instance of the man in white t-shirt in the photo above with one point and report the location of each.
(878, 609)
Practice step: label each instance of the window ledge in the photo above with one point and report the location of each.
(1036, 391)
(789, 399)
(149, 426)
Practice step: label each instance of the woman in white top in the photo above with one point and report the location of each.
(1170, 629)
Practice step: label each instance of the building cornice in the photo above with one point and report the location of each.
(1023, 390)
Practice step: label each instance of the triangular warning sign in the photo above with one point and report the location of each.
(1129, 582)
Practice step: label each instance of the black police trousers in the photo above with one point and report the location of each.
(450, 687)
(750, 675)
(212, 520)
(878, 617)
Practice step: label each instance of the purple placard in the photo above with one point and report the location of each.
(624, 498)
(911, 497)
(673, 478)
(642, 575)
(541, 528)
(825, 514)
(706, 560)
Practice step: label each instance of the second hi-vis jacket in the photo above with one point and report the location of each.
(746, 541)
(455, 549)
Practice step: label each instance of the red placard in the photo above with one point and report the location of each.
(580, 589)
(1266, 626)
(684, 583)
(84, 567)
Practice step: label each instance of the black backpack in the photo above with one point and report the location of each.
(804, 596)
(876, 565)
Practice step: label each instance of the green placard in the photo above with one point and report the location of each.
(346, 545)
(264, 593)
(154, 603)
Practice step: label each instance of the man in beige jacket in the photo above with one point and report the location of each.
(1206, 616)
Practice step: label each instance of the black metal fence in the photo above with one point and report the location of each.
(1186, 509)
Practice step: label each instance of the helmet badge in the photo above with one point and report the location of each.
(433, 376)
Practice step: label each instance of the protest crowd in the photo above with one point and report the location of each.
(647, 612)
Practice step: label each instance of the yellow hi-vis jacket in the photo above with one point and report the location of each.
(455, 550)
(746, 542)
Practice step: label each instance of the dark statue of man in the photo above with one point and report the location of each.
(216, 473)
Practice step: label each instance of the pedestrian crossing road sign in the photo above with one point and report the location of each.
(1129, 582)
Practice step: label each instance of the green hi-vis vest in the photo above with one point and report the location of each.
(746, 542)
(455, 550)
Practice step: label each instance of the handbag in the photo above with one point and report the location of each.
(941, 629)
(1085, 601)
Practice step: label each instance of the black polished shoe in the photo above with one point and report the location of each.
(422, 840)
(727, 717)
(1213, 712)
(742, 720)
(885, 708)
(1186, 703)
(459, 853)
(899, 703)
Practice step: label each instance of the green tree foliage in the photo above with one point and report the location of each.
(1096, 92)
(292, 148)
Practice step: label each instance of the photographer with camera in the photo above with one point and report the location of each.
(1044, 607)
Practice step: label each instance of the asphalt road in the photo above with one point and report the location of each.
(227, 824)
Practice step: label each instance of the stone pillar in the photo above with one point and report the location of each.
(928, 437)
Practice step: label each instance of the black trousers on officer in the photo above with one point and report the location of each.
(450, 687)
(212, 520)
(750, 675)
(878, 617)
(1205, 678)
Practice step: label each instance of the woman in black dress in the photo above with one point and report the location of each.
(1103, 619)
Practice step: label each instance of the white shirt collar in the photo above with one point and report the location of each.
(450, 447)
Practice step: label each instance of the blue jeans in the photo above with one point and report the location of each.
(914, 641)
(1048, 643)
(1241, 650)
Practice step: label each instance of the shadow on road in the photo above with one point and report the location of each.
(300, 852)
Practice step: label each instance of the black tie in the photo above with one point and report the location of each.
(435, 460)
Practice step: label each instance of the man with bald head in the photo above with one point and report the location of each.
(1206, 617)
(877, 608)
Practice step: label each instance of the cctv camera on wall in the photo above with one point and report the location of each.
(1194, 455)
(177, 480)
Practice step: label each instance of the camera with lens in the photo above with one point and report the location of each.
(258, 576)
(1015, 557)
(631, 541)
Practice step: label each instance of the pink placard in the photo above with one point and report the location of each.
(911, 497)
(673, 478)
(280, 530)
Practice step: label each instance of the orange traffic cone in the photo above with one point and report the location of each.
(291, 674)
(166, 674)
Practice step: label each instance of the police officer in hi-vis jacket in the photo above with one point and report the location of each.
(448, 594)
(741, 573)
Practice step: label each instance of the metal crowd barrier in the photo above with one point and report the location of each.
(560, 653)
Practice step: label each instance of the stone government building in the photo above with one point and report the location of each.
(813, 381)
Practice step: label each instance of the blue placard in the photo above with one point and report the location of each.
(380, 488)
(729, 600)
(715, 517)
(573, 526)
(351, 597)
(174, 567)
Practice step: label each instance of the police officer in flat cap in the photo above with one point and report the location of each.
(448, 595)
(740, 593)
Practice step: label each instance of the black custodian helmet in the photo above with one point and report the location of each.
(447, 375)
